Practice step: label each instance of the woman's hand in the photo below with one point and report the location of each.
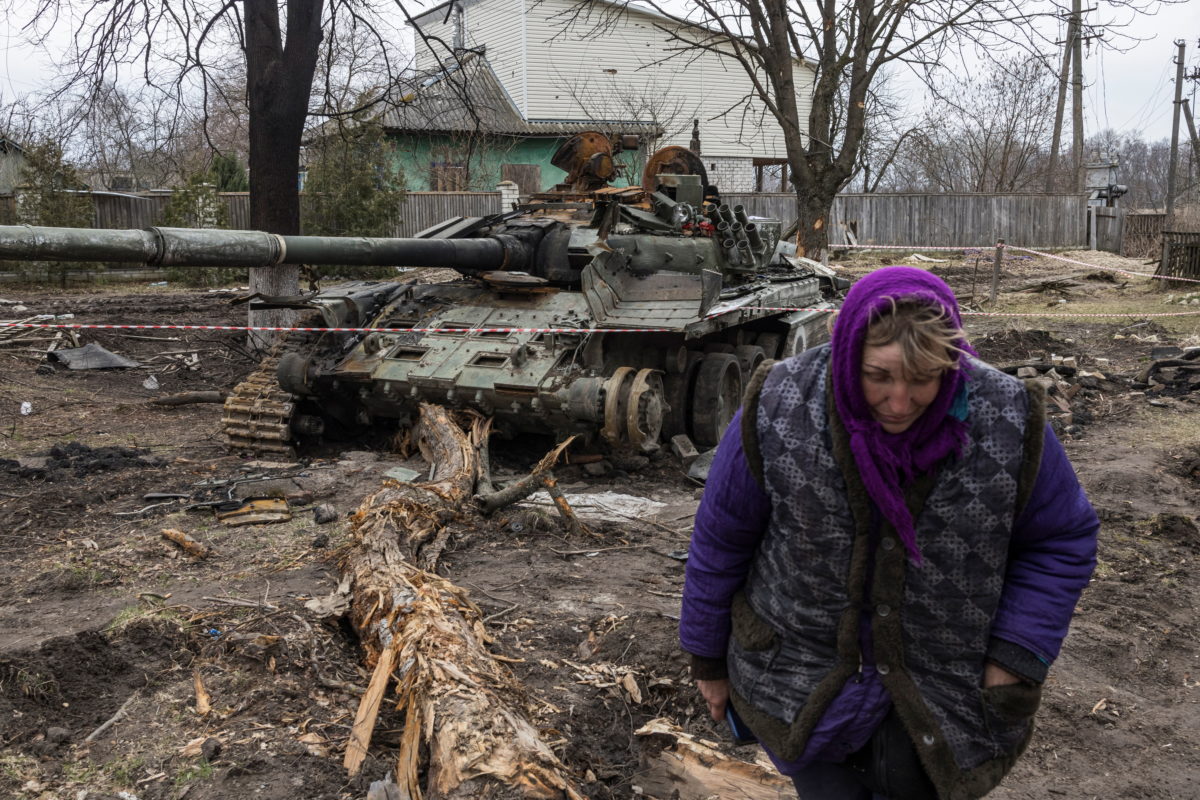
(994, 675)
(716, 694)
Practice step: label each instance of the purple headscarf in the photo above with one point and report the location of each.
(889, 462)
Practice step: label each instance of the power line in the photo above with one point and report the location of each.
(1151, 102)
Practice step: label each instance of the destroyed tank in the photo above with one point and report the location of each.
(625, 315)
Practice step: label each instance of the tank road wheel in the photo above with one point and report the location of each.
(718, 393)
(749, 356)
(644, 410)
(616, 401)
(769, 342)
(796, 342)
(678, 392)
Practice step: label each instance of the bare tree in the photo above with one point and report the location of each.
(983, 134)
(847, 45)
(185, 50)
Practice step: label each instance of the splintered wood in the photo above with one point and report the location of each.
(694, 769)
(461, 706)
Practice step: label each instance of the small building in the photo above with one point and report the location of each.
(12, 162)
(518, 76)
(456, 129)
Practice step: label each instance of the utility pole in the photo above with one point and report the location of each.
(1077, 92)
(1052, 170)
(1179, 44)
(1191, 123)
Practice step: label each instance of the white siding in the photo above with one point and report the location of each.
(496, 25)
(571, 77)
(559, 65)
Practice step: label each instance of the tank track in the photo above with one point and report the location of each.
(257, 417)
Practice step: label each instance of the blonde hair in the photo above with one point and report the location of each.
(927, 336)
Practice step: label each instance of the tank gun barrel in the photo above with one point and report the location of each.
(188, 247)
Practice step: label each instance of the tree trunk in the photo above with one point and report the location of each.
(278, 83)
(465, 728)
(812, 228)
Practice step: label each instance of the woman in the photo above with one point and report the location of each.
(887, 556)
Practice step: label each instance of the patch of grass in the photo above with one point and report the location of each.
(201, 771)
(28, 682)
(124, 771)
(82, 772)
(131, 614)
(85, 575)
(18, 767)
(1134, 301)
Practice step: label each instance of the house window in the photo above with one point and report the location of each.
(447, 177)
(768, 175)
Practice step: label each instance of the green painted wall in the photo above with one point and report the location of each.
(415, 154)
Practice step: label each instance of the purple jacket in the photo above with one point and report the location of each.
(1052, 554)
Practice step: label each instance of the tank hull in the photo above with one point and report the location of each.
(538, 361)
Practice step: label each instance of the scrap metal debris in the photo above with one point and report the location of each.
(92, 356)
(1172, 376)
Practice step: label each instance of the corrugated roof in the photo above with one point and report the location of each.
(467, 97)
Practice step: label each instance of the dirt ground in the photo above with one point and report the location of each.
(99, 614)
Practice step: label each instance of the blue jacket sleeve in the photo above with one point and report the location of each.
(730, 521)
(1051, 558)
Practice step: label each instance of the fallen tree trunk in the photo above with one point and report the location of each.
(185, 398)
(425, 633)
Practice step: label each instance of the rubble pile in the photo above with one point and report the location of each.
(1174, 372)
(1073, 393)
(75, 459)
(1188, 299)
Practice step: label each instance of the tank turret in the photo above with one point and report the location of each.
(625, 314)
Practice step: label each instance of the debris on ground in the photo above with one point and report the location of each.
(1171, 376)
(238, 675)
(92, 356)
(254, 511)
(691, 768)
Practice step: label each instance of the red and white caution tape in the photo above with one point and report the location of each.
(913, 247)
(469, 331)
(1108, 269)
(1045, 315)
(282, 329)
(1041, 253)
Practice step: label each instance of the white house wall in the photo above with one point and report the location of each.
(611, 67)
(496, 25)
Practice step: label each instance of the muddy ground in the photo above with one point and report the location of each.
(100, 614)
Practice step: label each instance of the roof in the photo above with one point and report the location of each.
(9, 146)
(467, 97)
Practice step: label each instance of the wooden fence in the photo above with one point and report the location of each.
(1181, 256)
(903, 220)
(419, 211)
(1143, 235)
(942, 220)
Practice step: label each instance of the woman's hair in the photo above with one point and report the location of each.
(927, 335)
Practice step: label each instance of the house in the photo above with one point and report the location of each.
(456, 129)
(544, 69)
(12, 162)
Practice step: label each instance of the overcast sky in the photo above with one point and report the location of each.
(1129, 92)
